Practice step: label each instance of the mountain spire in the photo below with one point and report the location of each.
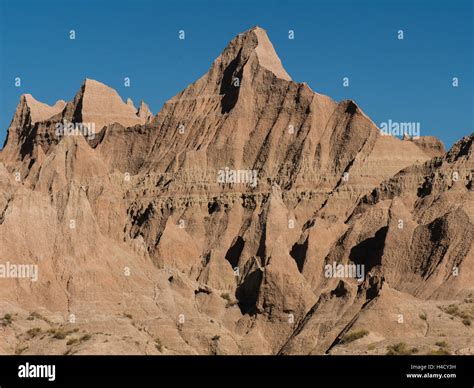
(267, 55)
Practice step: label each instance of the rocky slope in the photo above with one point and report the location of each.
(147, 244)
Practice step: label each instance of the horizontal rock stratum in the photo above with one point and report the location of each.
(234, 221)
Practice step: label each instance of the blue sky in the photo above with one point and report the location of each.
(407, 80)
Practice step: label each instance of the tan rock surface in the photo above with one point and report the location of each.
(141, 249)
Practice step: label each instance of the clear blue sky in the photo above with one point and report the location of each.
(403, 80)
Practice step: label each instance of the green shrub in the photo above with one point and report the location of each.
(400, 349)
(226, 296)
(72, 341)
(353, 336)
(34, 315)
(454, 311)
(32, 333)
(7, 320)
(60, 333)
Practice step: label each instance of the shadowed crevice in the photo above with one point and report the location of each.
(369, 252)
(230, 92)
(247, 293)
(298, 252)
(234, 252)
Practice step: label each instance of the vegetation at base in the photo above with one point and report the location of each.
(7, 320)
(32, 333)
(158, 344)
(353, 336)
(400, 349)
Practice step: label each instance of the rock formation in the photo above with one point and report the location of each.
(209, 228)
(144, 112)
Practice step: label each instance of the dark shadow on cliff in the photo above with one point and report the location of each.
(369, 252)
(228, 88)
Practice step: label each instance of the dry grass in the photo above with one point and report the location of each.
(32, 333)
(7, 320)
(34, 315)
(226, 296)
(400, 349)
(60, 333)
(439, 352)
(72, 341)
(454, 311)
(353, 336)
